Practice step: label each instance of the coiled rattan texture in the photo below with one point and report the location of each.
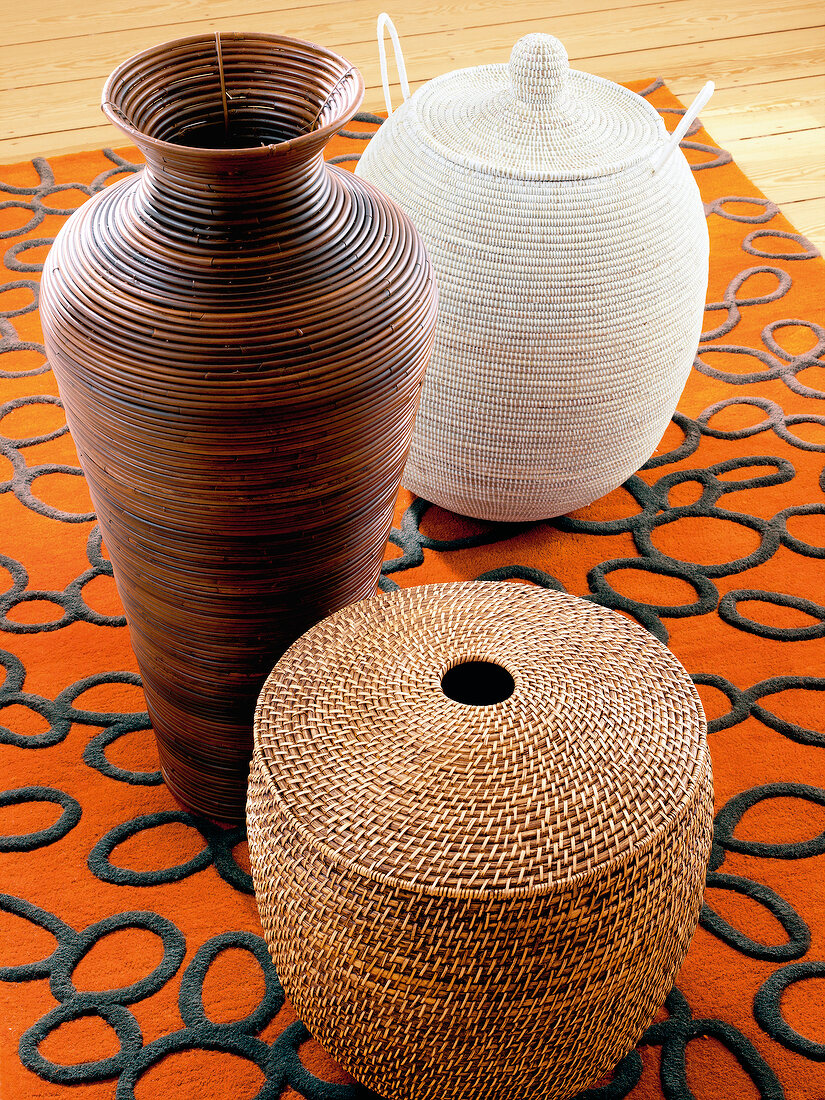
(424, 866)
(239, 335)
(572, 280)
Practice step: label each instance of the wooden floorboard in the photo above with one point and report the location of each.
(437, 46)
(63, 19)
(767, 59)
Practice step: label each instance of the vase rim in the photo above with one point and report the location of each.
(350, 84)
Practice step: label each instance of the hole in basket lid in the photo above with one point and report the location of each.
(478, 683)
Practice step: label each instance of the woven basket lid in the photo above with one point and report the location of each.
(598, 745)
(534, 118)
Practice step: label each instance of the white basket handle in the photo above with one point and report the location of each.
(386, 24)
(683, 127)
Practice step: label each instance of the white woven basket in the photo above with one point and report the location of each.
(571, 252)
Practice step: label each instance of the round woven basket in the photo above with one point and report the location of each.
(479, 821)
(569, 243)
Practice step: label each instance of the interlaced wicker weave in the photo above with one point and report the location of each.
(533, 855)
(570, 248)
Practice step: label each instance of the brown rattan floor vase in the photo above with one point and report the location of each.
(475, 802)
(239, 335)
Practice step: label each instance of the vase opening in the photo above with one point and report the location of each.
(478, 683)
(232, 92)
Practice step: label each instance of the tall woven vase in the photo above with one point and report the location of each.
(239, 335)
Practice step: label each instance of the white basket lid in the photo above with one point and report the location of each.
(534, 118)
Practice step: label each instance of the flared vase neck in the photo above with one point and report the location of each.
(216, 197)
(233, 126)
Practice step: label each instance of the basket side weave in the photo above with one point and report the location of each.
(401, 985)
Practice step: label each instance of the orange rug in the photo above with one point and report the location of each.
(130, 954)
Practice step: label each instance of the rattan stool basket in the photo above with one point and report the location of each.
(479, 821)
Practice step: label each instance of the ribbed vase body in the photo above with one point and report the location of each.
(239, 336)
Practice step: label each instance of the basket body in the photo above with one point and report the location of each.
(570, 307)
(495, 907)
(238, 377)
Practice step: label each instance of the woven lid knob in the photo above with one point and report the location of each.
(539, 70)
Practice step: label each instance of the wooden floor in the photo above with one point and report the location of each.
(767, 58)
